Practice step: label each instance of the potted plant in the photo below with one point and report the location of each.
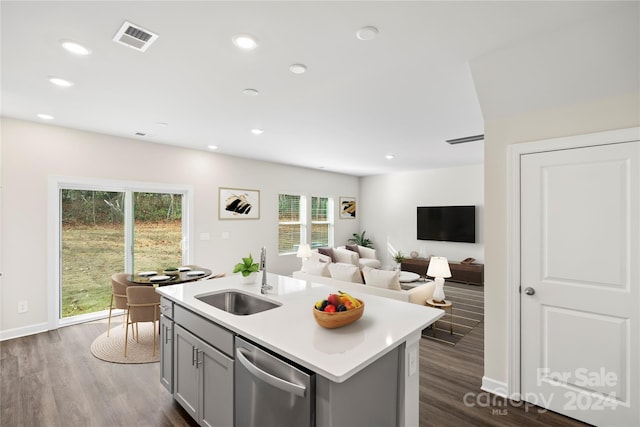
(248, 269)
(398, 258)
(360, 240)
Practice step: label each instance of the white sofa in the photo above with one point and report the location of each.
(314, 273)
(353, 254)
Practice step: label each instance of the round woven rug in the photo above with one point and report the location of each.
(111, 348)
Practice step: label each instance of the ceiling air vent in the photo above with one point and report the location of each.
(466, 139)
(134, 36)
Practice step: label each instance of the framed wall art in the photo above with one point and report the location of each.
(347, 207)
(238, 203)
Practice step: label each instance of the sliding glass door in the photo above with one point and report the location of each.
(157, 231)
(93, 248)
(103, 232)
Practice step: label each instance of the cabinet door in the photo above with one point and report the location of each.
(185, 385)
(216, 375)
(166, 353)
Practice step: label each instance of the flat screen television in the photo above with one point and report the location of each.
(447, 223)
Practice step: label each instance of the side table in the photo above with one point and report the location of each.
(444, 305)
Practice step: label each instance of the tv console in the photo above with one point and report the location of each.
(472, 274)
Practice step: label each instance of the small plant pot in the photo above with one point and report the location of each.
(247, 280)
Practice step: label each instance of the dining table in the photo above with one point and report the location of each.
(163, 278)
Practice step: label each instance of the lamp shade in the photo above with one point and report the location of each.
(304, 251)
(438, 267)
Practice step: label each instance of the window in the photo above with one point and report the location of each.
(291, 222)
(104, 227)
(321, 222)
(93, 234)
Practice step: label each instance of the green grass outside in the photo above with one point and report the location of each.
(92, 253)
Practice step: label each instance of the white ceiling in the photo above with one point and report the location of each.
(404, 93)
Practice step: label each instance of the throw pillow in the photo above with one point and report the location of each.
(315, 268)
(315, 256)
(345, 272)
(381, 278)
(367, 252)
(328, 252)
(345, 256)
(353, 248)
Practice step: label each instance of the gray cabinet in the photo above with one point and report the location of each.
(166, 344)
(203, 379)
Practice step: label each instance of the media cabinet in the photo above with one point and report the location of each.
(472, 274)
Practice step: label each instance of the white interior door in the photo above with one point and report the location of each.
(580, 290)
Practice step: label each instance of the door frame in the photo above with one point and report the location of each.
(514, 153)
(54, 235)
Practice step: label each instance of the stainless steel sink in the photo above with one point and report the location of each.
(237, 303)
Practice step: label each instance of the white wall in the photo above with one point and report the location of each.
(606, 114)
(532, 91)
(388, 210)
(32, 152)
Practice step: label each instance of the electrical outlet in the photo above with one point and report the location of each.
(23, 307)
(413, 361)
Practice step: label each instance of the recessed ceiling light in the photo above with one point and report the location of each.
(389, 156)
(45, 116)
(298, 68)
(257, 131)
(212, 147)
(75, 48)
(60, 82)
(162, 124)
(245, 41)
(250, 92)
(367, 33)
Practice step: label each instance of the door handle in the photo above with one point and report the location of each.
(529, 291)
(272, 380)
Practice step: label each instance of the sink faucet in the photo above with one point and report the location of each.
(263, 264)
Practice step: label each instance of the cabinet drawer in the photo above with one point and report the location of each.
(208, 331)
(166, 307)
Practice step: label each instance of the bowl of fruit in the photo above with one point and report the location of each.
(338, 310)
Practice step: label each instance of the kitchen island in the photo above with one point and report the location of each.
(348, 362)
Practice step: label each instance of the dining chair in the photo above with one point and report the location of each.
(119, 284)
(143, 304)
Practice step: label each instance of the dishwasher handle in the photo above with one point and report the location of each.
(279, 383)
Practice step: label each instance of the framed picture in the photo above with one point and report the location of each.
(238, 203)
(347, 207)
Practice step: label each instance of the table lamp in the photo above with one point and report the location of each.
(438, 269)
(304, 251)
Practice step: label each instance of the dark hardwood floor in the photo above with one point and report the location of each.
(450, 394)
(51, 379)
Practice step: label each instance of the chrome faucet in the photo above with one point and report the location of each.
(263, 264)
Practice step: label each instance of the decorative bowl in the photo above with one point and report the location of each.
(339, 318)
(175, 272)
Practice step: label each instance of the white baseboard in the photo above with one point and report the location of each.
(495, 387)
(24, 331)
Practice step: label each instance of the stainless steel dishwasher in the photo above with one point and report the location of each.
(270, 391)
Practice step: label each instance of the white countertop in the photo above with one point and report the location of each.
(290, 330)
